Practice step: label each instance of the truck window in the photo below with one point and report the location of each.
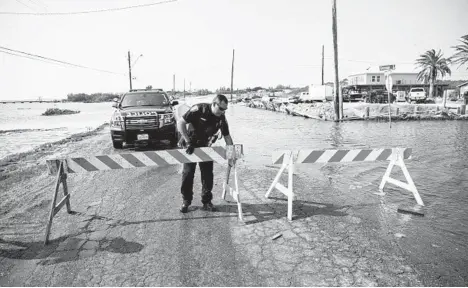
(144, 99)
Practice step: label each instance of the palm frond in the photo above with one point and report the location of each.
(461, 55)
(432, 63)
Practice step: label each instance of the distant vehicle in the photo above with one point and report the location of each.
(352, 95)
(417, 95)
(294, 99)
(400, 96)
(142, 117)
(317, 93)
(379, 96)
(267, 98)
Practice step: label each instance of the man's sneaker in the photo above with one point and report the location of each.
(208, 207)
(184, 208)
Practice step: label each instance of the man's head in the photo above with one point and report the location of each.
(219, 105)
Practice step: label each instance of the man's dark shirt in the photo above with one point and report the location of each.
(204, 124)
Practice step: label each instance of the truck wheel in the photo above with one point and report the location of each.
(174, 140)
(117, 144)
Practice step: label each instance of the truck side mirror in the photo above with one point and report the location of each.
(175, 102)
(115, 103)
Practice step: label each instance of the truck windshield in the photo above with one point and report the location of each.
(144, 99)
(417, 90)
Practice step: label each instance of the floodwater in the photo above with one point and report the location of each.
(22, 127)
(438, 166)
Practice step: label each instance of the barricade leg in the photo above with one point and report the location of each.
(237, 195)
(410, 186)
(233, 192)
(287, 191)
(226, 181)
(290, 189)
(61, 179)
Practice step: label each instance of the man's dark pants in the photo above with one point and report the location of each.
(206, 169)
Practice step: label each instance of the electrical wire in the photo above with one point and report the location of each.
(53, 61)
(89, 11)
(25, 5)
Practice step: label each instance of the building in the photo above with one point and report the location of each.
(463, 88)
(374, 79)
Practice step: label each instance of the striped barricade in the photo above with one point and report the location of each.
(61, 167)
(290, 158)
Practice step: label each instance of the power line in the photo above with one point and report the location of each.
(88, 12)
(23, 56)
(40, 4)
(54, 61)
(24, 4)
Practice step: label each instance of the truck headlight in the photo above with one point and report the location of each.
(116, 121)
(167, 118)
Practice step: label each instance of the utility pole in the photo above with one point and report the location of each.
(129, 70)
(232, 73)
(322, 64)
(338, 99)
(173, 85)
(184, 88)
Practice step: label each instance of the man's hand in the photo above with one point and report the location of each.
(232, 162)
(190, 149)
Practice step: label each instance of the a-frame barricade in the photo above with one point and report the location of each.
(288, 159)
(62, 167)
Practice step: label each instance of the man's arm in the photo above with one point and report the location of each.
(182, 127)
(228, 140)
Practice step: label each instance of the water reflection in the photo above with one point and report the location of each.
(336, 139)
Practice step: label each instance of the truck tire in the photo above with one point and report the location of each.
(174, 140)
(117, 144)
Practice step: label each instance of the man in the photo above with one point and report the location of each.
(206, 120)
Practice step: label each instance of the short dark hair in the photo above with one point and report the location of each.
(220, 98)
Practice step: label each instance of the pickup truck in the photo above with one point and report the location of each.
(143, 116)
(417, 95)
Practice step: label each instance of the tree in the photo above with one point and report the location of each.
(149, 87)
(432, 64)
(461, 55)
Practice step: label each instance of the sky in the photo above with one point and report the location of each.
(275, 42)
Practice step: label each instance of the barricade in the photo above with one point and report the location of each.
(289, 158)
(234, 192)
(62, 167)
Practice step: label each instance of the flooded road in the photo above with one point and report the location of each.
(438, 168)
(342, 234)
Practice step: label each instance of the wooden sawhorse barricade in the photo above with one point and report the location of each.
(61, 167)
(289, 158)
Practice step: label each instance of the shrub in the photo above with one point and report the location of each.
(57, 111)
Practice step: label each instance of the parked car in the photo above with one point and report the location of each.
(400, 96)
(142, 117)
(294, 99)
(417, 95)
(379, 96)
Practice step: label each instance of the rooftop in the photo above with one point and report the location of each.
(399, 68)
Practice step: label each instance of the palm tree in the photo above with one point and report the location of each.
(461, 55)
(432, 64)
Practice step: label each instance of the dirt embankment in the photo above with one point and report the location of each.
(366, 111)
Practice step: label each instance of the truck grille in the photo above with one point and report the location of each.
(142, 123)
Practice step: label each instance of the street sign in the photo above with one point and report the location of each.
(387, 67)
(388, 82)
